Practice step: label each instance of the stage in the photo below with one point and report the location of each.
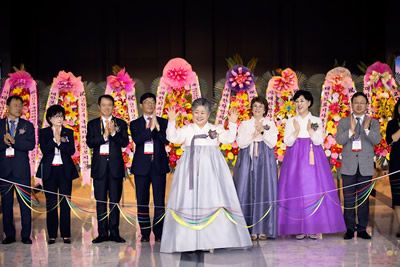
(331, 250)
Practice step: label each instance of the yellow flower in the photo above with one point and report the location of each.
(230, 156)
(179, 151)
(228, 146)
(244, 96)
(17, 91)
(189, 116)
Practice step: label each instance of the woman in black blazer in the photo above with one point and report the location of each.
(57, 171)
(393, 139)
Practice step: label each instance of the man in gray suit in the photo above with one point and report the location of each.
(358, 134)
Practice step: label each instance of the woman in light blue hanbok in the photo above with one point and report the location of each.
(202, 189)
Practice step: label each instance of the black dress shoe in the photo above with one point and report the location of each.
(100, 239)
(27, 241)
(348, 235)
(363, 235)
(398, 235)
(51, 241)
(117, 239)
(158, 239)
(8, 240)
(67, 240)
(144, 239)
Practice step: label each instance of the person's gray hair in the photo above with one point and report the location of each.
(201, 102)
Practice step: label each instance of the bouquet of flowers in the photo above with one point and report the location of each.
(178, 87)
(238, 91)
(337, 91)
(381, 90)
(280, 91)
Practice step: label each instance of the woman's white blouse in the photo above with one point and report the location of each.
(317, 137)
(185, 134)
(247, 129)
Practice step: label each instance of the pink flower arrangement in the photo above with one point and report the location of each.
(279, 96)
(121, 81)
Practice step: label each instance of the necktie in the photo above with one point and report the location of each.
(148, 122)
(358, 128)
(12, 128)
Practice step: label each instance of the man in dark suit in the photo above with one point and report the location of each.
(17, 139)
(106, 136)
(358, 134)
(150, 165)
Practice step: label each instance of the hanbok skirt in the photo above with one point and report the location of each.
(207, 216)
(308, 201)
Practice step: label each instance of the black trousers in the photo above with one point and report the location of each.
(58, 183)
(7, 200)
(107, 188)
(142, 183)
(350, 197)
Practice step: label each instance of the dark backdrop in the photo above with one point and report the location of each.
(88, 38)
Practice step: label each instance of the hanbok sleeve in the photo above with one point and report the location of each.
(318, 136)
(175, 135)
(245, 135)
(227, 136)
(288, 138)
(270, 136)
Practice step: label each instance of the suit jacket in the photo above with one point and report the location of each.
(95, 139)
(67, 149)
(18, 166)
(140, 134)
(363, 159)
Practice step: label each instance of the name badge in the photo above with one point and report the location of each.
(10, 153)
(148, 148)
(356, 145)
(105, 149)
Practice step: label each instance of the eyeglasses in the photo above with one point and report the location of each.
(59, 116)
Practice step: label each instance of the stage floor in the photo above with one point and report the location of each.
(331, 250)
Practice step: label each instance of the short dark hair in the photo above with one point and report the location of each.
(145, 96)
(306, 94)
(359, 94)
(396, 115)
(53, 111)
(201, 102)
(105, 97)
(262, 101)
(15, 97)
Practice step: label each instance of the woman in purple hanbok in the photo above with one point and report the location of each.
(307, 200)
(255, 173)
